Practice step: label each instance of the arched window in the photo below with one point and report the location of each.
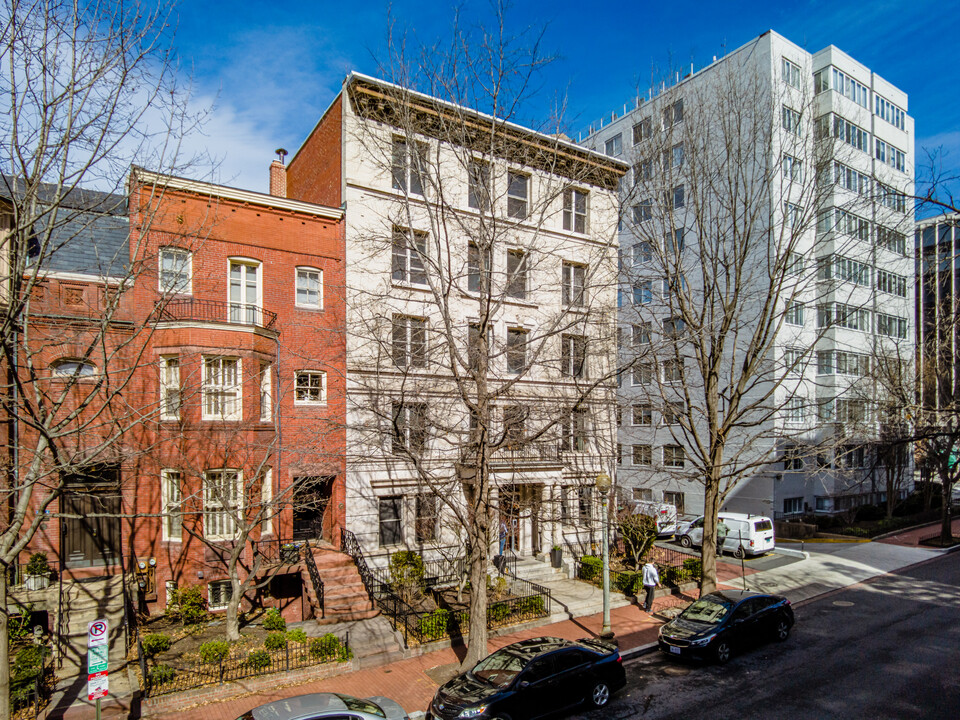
(73, 368)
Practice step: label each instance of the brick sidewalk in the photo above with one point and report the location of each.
(406, 681)
(911, 538)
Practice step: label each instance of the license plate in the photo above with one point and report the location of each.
(675, 650)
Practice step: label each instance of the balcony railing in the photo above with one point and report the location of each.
(215, 311)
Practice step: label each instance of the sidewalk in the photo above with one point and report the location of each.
(911, 537)
(407, 681)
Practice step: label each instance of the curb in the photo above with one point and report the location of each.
(639, 651)
(850, 539)
(790, 552)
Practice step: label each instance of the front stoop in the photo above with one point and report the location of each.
(344, 596)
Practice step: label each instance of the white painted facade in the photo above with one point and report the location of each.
(882, 262)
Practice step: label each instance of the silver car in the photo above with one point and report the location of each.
(328, 705)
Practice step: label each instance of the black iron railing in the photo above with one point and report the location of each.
(435, 572)
(214, 311)
(351, 546)
(315, 578)
(160, 678)
(17, 574)
(276, 551)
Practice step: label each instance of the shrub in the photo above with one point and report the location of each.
(871, 512)
(591, 568)
(275, 641)
(213, 651)
(188, 604)
(498, 611)
(406, 573)
(154, 643)
(37, 564)
(498, 587)
(274, 621)
(18, 623)
(329, 646)
(29, 660)
(258, 659)
(296, 635)
(160, 674)
(434, 625)
(855, 531)
(625, 582)
(532, 605)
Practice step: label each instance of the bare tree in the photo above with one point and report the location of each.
(88, 89)
(481, 341)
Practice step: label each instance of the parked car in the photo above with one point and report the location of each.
(328, 705)
(531, 679)
(723, 622)
(664, 514)
(748, 534)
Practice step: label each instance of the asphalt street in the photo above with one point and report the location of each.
(886, 648)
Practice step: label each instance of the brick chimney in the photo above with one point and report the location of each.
(278, 175)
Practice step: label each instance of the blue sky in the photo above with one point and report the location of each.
(270, 69)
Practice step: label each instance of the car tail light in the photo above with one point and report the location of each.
(751, 543)
(786, 601)
(619, 658)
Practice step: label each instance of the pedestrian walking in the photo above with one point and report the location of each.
(651, 580)
(503, 535)
(722, 532)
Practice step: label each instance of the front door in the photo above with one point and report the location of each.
(312, 511)
(91, 519)
(510, 516)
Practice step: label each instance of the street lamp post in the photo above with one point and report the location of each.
(603, 485)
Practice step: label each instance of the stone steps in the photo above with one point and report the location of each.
(345, 596)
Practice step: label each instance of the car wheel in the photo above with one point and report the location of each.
(722, 652)
(782, 630)
(501, 716)
(599, 695)
(739, 553)
(685, 541)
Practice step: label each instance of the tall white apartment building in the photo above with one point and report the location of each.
(829, 179)
(463, 231)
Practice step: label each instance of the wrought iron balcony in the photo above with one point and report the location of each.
(215, 311)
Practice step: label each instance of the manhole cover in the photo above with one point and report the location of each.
(843, 603)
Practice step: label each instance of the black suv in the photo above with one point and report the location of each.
(531, 679)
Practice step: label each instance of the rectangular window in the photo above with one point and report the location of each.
(566, 503)
(310, 388)
(176, 271)
(170, 398)
(266, 502)
(222, 389)
(794, 264)
(674, 328)
(244, 291)
(514, 426)
(643, 292)
(673, 412)
(409, 253)
(573, 355)
(790, 120)
(790, 73)
(574, 279)
(891, 326)
(891, 283)
(672, 114)
(842, 363)
(792, 458)
(793, 360)
(516, 350)
(575, 210)
(642, 455)
(850, 179)
(643, 130)
(792, 215)
(675, 499)
(409, 166)
(643, 211)
(849, 88)
(266, 392)
(838, 267)
(516, 275)
(641, 334)
(792, 506)
(641, 415)
(409, 428)
(886, 153)
(478, 186)
(425, 527)
(390, 514)
(584, 503)
(844, 316)
(642, 374)
(673, 370)
(573, 431)
(221, 502)
(673, 456)
(676, 155)
(479, 267)
(614, 146)
(645, 494)
(675, 241)
(895, 242)
(219, 593)
(518, 194)
(675, 198)
(409, 341)
(792, 168)
(172, 489)
(793, 410)
(310, 288)
(852, 457)
(794, 313)
(889, 112)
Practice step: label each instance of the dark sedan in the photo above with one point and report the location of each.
(532, 679)
(718, 624)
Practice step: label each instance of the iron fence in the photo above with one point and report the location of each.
(215, 311)
(674, 566)
(277, 551)
(179, 675)
(315, 578)
(26, 696)
(17, 574)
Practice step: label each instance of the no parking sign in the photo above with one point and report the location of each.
(97, 679)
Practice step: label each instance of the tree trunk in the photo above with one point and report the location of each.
(479, 550)
(233, 612)
(946, 524)
(708, 550)
(4, 650)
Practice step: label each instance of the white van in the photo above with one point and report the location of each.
(749, 534)
(665, 515)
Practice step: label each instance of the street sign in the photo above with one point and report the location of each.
(97, 650)
(97, 686)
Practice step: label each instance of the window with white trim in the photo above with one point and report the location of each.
(573, 355)
(244, 292)
(176, 271)
(266, 502)
(643, 130)
(642, 455)
(641, 415)
(409, 341)
(310, 387)
(409, 251)
(172, 495)
(409, 166)
(516, 275)
(793, 410)
(478, 185)
(674, 456)
(518, 194)
(614, 146)
(221, 502)
(790, 120)
(219, 593)
(266, 392)
(793, 457)
(790, 72)
(222, 388)
(170, 398)
(574, 279)
(409, 431)
(792, 506)
(794, 313)
(575, 210)
(310, 288)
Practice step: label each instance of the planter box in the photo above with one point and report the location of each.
(556, 558)
(37, 582)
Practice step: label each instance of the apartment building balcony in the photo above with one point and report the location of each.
(215, 311)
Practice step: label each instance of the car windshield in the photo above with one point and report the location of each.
(498, 669)
(707, 611)
(358, 705)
